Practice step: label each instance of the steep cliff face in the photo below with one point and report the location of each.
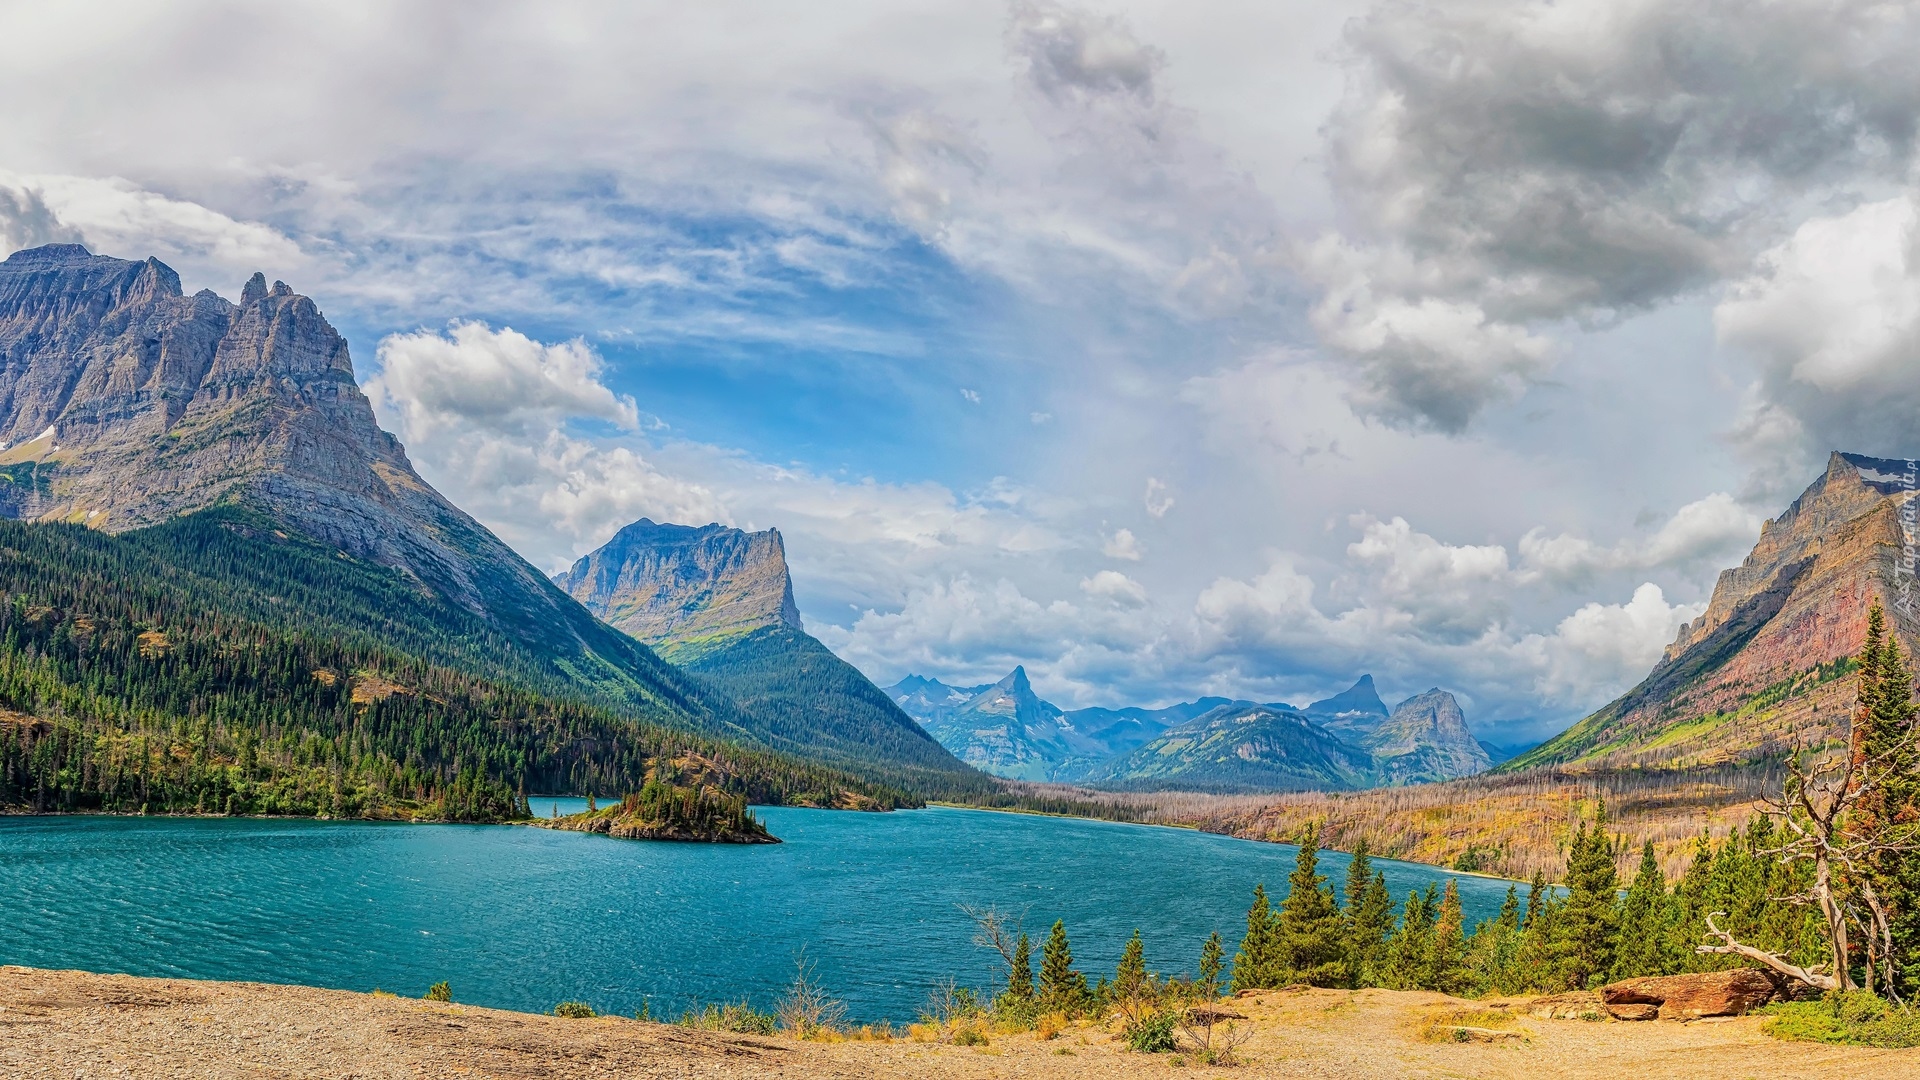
(1008, 730)
(1764, 666)
(1351, 713)
(718, 602)
(681, 589)
(124, 403)
(1426, 739)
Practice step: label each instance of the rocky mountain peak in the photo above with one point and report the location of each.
(125, 403)
(678, 585)
(1784, 620)
(1426, 738)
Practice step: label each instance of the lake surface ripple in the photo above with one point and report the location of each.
(522, 918)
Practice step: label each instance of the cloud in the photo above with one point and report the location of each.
(500, 380)
(1123, 545)
(1505, 164)
(972, 396)
(1831, 316)
(1157, 501)
(1114, 586)
(26, 221)
(1715, 527)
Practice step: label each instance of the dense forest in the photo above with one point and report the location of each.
(216, 664)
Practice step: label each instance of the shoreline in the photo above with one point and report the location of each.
(67, 1023)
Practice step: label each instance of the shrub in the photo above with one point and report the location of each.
(574, 1010)
(1152, 1033)
(1856, 1018)
(969, 1035)
(739, 1018)
(806, 1011)
(440, 991)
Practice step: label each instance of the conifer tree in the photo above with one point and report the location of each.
(1410, 948)
(1369, 926)
(1020, 972)
(1312, 933)
(1536, 897)
(1130, 977)
(1510, 909)
(1255, 966)
(1885, 736)
(1643, 932)
(1446, 956)
(1061, 987)
(1584, 944)
(1211, 955)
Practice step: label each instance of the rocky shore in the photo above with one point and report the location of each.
(68, 1024)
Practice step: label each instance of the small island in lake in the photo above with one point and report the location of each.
(662, 811)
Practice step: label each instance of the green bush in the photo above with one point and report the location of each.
(1855, 1018)
(739, 1018)
(574, 1010)
(440, 991)
(1152, 1034)
(969, 1035)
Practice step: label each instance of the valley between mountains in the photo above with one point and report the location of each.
(227, 590)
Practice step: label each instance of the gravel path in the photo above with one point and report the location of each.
(74, 1025)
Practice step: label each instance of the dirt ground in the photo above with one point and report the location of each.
(75, 1025)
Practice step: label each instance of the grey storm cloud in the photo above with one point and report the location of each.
(25, 221)
(1502, 165)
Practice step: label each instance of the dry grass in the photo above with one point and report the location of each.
(1514, 824)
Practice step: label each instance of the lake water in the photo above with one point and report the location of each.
(522, 918)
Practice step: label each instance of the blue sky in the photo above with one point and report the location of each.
(1164, 355)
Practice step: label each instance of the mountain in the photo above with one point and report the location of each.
(1764, 665)
(242, 503)
(1353, 712)
(1424, 740)
(681, 589)
(125, 404)
(718, 602)
(1004, 729)
(1241, 747)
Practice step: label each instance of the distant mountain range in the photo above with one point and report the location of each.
(1350, 740)
(1766, 665)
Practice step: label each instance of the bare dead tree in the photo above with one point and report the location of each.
(997, 930)
(1819, 808)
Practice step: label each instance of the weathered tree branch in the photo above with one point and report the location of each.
(1777, 963)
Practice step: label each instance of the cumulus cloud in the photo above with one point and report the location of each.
(1123, 545)
(500, 380)
(1157, 500)
(1832, 317)
(26, 221)
(1715, 527)
(1506, 163)
(1116, 587)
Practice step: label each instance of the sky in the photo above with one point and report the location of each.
(1165, 349)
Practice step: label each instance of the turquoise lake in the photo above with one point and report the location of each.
(522, 918)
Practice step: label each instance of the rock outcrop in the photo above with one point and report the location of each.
(125, 403)
(1353, 713)
(1241, 748)
(1426, 739)
(1763, 667)
(680, 588)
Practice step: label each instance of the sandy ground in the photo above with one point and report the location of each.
(75, 1025)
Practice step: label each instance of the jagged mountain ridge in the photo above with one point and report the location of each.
(718, 602)
(1762, 668)
(1006, 729)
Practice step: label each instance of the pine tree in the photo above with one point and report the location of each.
(1510, 909)
(1130, 977)
(1020, 972)
(1884, 728)
(1061, 987)
(1410, 948)
(1255, 966)
(1536, 897)
(1584, 943)
(1369, 926)
(1446, 957)
(1211, 955)
(1312, 945)
(1643, 933)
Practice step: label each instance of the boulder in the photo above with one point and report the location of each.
(1690, 997)
(1579, 1005)
(1634, 1012)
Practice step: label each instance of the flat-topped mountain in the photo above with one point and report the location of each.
(1241, 747)
(718, 603)
(677, 588)
(1764, 665)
